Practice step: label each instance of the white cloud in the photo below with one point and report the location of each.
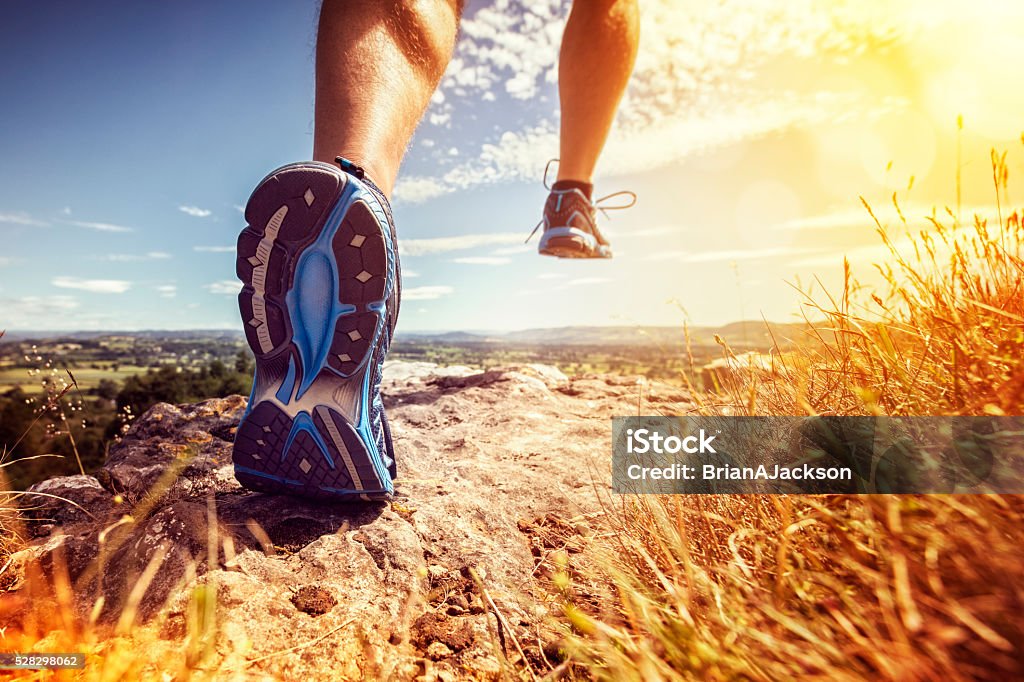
(512, 250)
(693, 89)
(167, 290)
(101, 227)
(482, 260)
(837, 219)
(57, 302)
(238, 207)
(522, 155)
(409, 274)
(693, 256)
(226, 287)
(66, 210)
(514, 156)
(427, 293)
(442, 120)
(21, 219)
(95, 286)
(916, 215)
(195, 211)
(135, 257)
(26, 312)
(556, 285)
(434, 245)
(416, 190)
(214, 249)
(5, 260)
(652, 231)
(514, 43)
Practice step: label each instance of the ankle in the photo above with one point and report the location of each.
(586, 187)
(378, 174)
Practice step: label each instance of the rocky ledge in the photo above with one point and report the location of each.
(442, 583)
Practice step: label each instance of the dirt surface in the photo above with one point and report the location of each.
(497, 470)
(316, 601)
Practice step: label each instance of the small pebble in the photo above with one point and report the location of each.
(438, 650)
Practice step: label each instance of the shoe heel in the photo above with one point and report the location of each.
(319, 455)
(282, 221)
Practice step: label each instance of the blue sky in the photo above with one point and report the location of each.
(133, 132)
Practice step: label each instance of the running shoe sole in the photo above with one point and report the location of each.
(571, 242)
(317, 266)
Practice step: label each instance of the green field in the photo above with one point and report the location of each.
(87, 377)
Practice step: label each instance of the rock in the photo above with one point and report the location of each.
(437, 650)
(406, 372)
(484, 667)
(177, 450)
(66, 501)
(433, 628)
(583, 529)
(437, 675)
(313, 600)
(550, 375)
(492, 467)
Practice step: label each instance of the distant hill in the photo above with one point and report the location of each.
(738, 334)
(176, 335)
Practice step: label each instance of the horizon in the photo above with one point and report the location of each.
(401, 331)
(124, 167)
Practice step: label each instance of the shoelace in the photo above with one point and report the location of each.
(596, 204)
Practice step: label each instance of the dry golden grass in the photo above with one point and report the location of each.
(840, 587)
(44, 614)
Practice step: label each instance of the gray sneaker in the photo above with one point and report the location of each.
(570, 224)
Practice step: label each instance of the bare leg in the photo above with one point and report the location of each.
(598, 51)
(377, 64)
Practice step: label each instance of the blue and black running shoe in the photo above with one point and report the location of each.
(319, 265)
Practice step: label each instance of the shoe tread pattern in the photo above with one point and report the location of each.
(314, 459)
